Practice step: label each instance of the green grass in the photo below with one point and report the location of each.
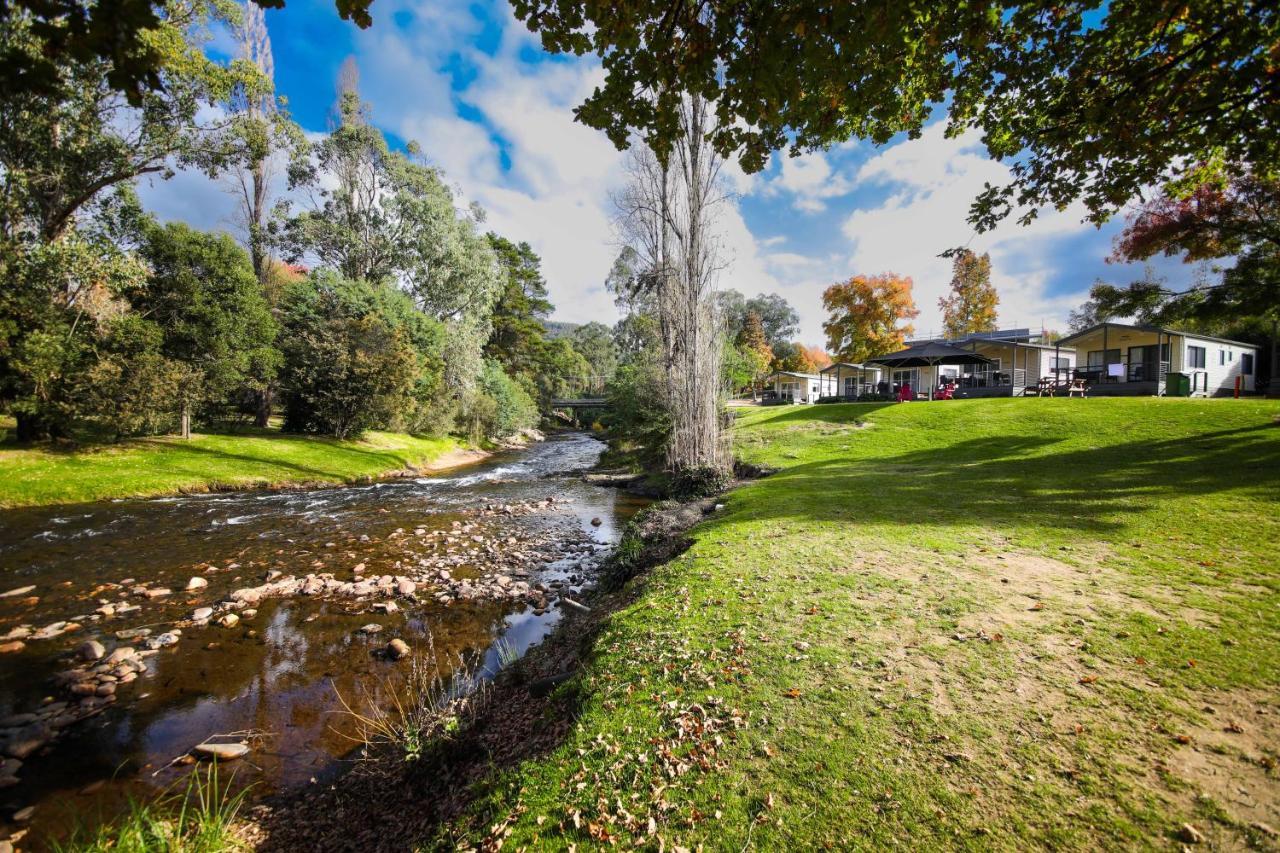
(975, 624)
(199, 819)
(160, 466)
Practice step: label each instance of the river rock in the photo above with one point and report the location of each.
(161, 641)
(12, 646)
(14, 593)
(248, 596)
(229, 620)
(121, 655)
(202, 614)
(398, 649)
(23, 815)
(157, 592)
(196, 583)
(406, 587)
(106, 688)
(386, 607)
(371, 628)
(90, 650)
(221, 751)
(24, 743)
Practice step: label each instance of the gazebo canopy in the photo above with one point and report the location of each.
(928, 354)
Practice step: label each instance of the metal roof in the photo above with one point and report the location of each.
(1143, 327)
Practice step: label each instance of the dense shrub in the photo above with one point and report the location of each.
(692, 483)
(500, 407)
(346, 368)
(636, 410)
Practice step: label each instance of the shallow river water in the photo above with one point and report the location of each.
(281, 670)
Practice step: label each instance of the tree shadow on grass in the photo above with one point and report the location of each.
(1019, 480)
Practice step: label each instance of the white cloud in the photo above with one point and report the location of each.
(932, 181)
(810, 181)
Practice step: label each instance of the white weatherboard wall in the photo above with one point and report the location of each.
(1222, 364)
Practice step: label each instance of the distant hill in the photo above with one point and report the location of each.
(558, 328)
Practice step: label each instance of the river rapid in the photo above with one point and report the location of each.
(521, 525)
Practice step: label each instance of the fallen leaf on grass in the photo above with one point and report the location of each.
(1039, 605)
(1182, 738)
(1088, 679)
(793, 693)
(1234, 728)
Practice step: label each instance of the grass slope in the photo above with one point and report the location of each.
(160, 466)
(976, 624)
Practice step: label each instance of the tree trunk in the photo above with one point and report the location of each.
(186, 420)
(263, 416)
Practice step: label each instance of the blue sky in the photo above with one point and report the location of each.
(474, 88)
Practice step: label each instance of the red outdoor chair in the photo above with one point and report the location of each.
(905, 394)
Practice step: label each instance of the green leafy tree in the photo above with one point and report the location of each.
(346, 368)
(560, 372)
(503, 407)
(1089, 101)
(68, 157)
(132, 388)
(380, 215)
(595, 343)
(203, 294)
(971, 305)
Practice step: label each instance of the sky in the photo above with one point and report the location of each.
(474, 88)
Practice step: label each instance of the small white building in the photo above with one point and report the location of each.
(1126, 359)
(797, 387)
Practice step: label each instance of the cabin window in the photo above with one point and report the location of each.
(1060, 364)
(1222, 356)
(1246, 364)
(1195, 356)
(1097, 360)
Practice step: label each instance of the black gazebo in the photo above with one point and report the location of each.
(930, 354)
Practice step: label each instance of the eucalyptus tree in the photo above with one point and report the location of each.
(384, 216)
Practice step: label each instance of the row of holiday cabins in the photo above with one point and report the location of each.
(1110, 359)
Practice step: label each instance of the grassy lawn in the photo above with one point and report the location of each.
(976, 624)
(160, 466)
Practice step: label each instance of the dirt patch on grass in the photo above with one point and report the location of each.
(1230, 766)
(1029, 699)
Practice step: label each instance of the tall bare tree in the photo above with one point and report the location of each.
(667, 214)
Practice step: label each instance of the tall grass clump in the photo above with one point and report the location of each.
(429, 707)
(198, 819)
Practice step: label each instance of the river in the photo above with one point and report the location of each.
(280, 671)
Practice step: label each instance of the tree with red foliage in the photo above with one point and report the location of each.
(1219, 215)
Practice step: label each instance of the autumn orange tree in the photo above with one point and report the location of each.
(753, 344)
(971, 305)
(867, 312)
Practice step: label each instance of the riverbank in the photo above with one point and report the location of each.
(996, 623)
(253, 459)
